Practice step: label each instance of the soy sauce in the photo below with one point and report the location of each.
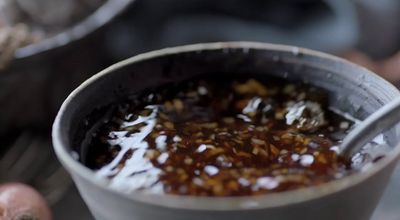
(212, 137)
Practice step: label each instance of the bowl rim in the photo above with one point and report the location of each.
(271, 200)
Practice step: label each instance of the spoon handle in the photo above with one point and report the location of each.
(381, 120)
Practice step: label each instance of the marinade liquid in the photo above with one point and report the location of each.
(220, 137)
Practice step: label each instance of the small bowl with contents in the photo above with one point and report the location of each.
(226, 131)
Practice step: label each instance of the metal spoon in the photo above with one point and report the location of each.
(381, 120)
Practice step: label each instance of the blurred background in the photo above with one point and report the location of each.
(48, 47)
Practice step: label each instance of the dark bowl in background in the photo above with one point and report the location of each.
(42, 74)
(33, 86)
(352, 89)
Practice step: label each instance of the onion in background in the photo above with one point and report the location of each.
(18, 201)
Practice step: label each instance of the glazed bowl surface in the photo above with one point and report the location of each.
(353, 90)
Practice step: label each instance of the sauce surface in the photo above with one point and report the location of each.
(230, 137)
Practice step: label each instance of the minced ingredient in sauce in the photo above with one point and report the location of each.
(230, 137)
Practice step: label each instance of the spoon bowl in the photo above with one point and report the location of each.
(381, 120)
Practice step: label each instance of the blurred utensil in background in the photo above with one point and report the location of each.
(45, 55)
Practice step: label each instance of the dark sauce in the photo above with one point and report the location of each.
(229, 137)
